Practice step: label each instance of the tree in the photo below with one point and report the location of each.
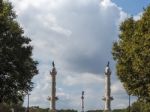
(120, 110)
(17, 67)
(140, 106)
(67, 110)
(132, 54)
(95, 111)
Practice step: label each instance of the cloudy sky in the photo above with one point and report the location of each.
(78, 36)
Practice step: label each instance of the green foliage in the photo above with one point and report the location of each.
(17, 67)
(69, 110)
(120, 110)
(4, 108)
(37, 109)
(115, 110)
(132, 54)
(140, 106)
(18, 107)
(7, 108)
(95, 111)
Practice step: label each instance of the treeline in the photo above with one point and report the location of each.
(67, 110)
(19, 108)
(95, 111)
(138, 106)
(71, 110)
(115, 110)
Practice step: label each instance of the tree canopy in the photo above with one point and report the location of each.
(17, 67)
(140, 106)
(132, 54)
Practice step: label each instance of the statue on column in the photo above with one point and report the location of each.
(53, 97)
(107, 98)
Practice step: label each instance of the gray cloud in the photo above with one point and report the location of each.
(78, 35)
(81, 34)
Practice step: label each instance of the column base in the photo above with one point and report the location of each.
(52, 110)
(107, 110)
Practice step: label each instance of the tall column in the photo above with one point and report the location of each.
(53, 89)
(82, 98)
(28, 101)
(107, 98)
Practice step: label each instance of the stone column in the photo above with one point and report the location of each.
(82, 98)
(53, 89)
(107, 98)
